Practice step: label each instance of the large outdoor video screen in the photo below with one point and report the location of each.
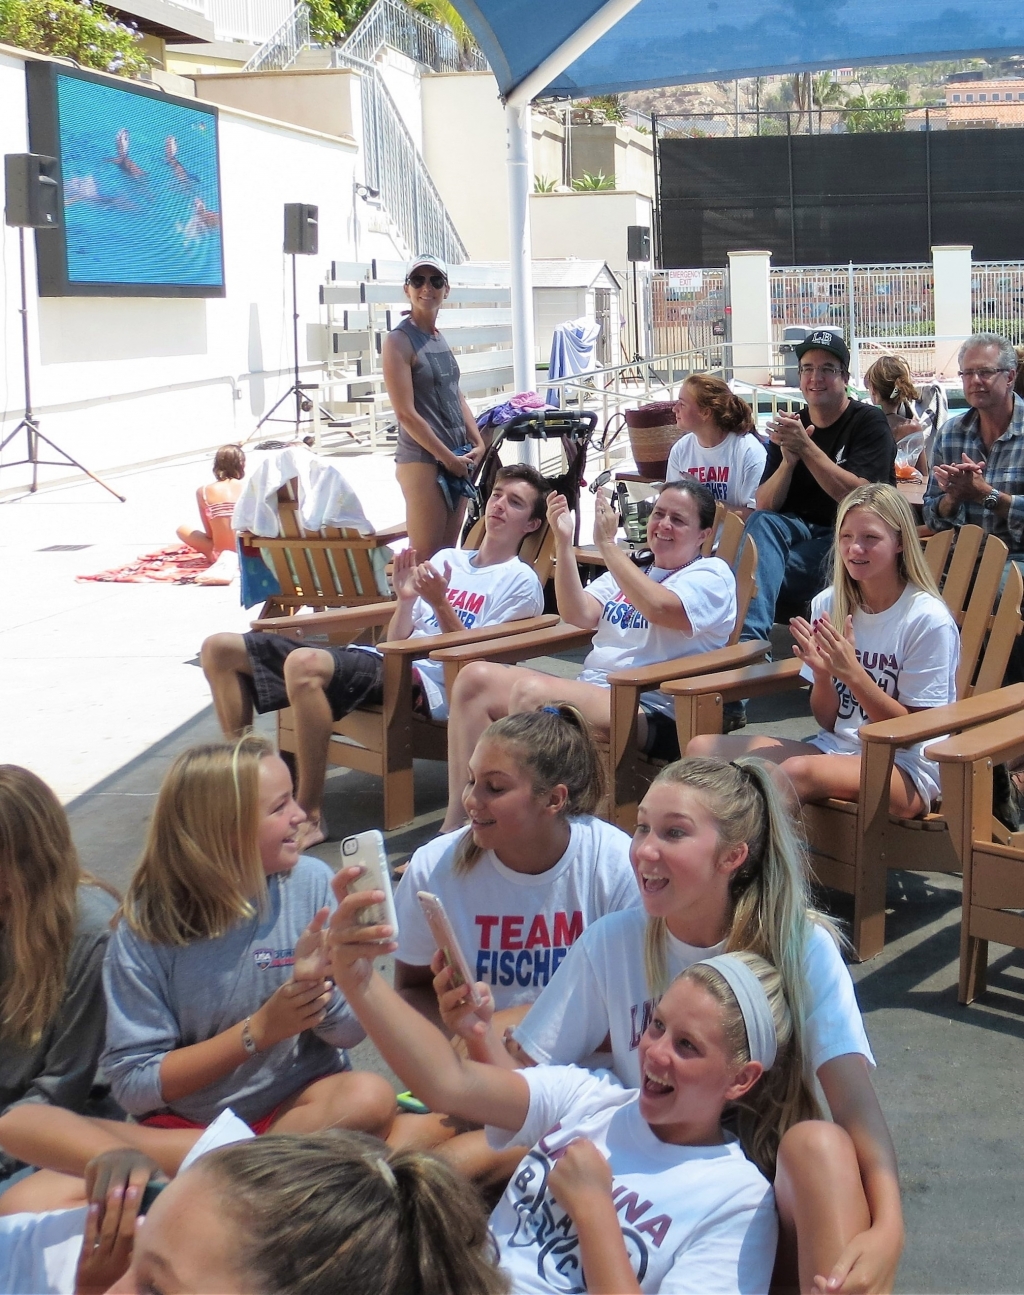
(140, 188)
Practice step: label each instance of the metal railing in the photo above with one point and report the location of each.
(392, 23)
(997, 298)
(248, 20)
(281, 49)
(393, 165)
(687, 311)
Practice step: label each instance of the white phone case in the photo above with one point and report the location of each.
(367, 851)
(445, 939)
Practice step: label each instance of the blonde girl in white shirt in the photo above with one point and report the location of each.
(720, 869)
(881, 643)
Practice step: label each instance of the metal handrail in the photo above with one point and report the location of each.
(423, 39)
(281, 49)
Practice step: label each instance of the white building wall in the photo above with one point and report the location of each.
(128, 380)
(591, 226)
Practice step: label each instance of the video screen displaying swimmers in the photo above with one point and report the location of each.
(141, 188)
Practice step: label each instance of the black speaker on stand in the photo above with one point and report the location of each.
(638, 248)
(301, 238)
(31, 195)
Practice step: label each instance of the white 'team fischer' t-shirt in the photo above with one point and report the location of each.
(513, 927)
(694, 1219)
(912, 651)
(626, 640)
(731, 471)
(506, 591)
(602, 990)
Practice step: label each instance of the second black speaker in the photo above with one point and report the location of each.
(638, 242)
(301, 231)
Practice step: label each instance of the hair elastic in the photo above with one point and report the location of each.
(551, 710)
(386, 1172)
(762, 1038)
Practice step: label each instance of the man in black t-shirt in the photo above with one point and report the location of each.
(814, 460)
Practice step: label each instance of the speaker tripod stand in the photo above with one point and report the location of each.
(302, 403)
(30, 424)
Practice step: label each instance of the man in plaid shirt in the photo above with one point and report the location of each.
(977, 458)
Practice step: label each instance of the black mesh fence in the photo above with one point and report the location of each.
(870, 198)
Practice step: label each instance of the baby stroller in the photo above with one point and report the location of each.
(575, 430)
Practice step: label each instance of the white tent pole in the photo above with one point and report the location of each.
(519, 164)
(578, 43)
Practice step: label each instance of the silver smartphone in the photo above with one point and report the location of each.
(444, 937)
(366, 851)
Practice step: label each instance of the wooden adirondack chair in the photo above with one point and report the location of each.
(852, 845)
(384, 740)
(321, 569)
(628, 769)
(991, 856)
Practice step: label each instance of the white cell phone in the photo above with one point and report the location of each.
(367, 852)
(445, 939)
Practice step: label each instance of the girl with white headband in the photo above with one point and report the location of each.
(719, 869)
(622, 1190)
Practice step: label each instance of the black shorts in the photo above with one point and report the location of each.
(662, 736)
(358, 678)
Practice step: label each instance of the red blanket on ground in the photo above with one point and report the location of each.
(175, 565)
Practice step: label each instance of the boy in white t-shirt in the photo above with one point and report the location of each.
(459, 589)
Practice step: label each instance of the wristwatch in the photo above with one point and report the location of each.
(990, 501)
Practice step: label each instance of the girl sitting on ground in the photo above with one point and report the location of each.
(719, 869)
(682, 605)
(624, 1189)
(719, 446)
(521, 883)
(54, 926)
(216, 504)
(880, 643)
(215, 979)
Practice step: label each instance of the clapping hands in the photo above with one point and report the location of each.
(821, 647)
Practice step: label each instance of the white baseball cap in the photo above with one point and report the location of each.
(435, 261)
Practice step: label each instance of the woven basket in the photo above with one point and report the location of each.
(652, 433)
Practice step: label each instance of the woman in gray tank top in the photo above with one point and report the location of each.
(434, 421)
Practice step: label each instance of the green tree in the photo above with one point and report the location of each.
(882, 110)
(80, 29)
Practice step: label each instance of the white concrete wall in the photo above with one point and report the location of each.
(128, 380)
(464, 149)
(750, 294)
(402, 78)
(591, 226)
(324, 100)
(952, 268)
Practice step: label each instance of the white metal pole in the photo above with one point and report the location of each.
(519, 163)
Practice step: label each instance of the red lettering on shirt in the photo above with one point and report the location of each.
(457, 598)
(538, 934)
(656, 1228)
(485, 924)
(568, 930)
(631, 1203)
(474, 602)
(511, 932)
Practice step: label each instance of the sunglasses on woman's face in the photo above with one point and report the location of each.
(437, 281)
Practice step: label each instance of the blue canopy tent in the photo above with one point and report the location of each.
(575, 48)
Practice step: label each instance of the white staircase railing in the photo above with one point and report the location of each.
(389, 22)
(281, 49)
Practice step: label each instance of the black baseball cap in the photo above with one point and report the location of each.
(824, 339)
